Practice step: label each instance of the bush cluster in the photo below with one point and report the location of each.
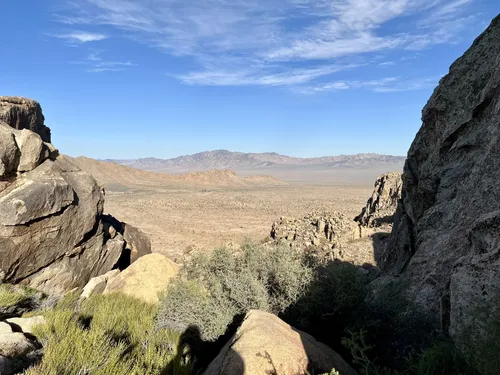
(107, 335)
(218, 287)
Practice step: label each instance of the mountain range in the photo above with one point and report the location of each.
(249, 163)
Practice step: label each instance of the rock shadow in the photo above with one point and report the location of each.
(195, 355)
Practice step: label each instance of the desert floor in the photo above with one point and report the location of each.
(180, 218)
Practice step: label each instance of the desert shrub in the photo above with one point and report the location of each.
(217, 287)
(441, 358)
(107, 335)
(326, 308)
(11, 295)
(480, 341)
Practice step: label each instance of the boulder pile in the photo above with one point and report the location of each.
(52, 233)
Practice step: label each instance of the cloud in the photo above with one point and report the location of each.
(273, 42)
(94, 63)
(384, 85)
(80, 37)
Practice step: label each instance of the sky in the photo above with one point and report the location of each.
(127, 79)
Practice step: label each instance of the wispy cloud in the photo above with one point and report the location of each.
(80, 37)
(273, 42)
(384, 85)
(94, 63)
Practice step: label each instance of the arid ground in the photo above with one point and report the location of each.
(213, 209)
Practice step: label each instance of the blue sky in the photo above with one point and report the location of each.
(162, 78)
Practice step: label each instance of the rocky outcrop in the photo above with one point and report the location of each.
(264, 344)
(52, 236)
(445, 242)
(148, 277)
(381, 206)
(324, 232)
(137, 244)
(22, 113)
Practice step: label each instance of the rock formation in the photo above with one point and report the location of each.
(445, 242)
(52, 236)
(382, 205)
(326, 232)
(22, 113)
(264, 344)
(145, 279)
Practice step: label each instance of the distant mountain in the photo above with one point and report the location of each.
(239, 161)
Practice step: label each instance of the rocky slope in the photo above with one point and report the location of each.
(52, 233)
(445, 244)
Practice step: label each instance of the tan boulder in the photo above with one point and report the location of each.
(32, 150)
(5, 328)
(145, 278)
(26, 324)
(15, 344)
(264, 344)
(97, 285)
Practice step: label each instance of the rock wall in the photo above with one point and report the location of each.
(52, 235)
(446, 240)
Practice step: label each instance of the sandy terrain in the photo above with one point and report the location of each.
(178, 218)
(209, 209)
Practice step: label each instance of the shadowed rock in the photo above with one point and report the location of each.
(445, 242)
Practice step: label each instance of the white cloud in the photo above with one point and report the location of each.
(94, 63)
(80, 37)
(273, 42)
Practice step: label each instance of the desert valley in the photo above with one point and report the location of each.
(200, 209)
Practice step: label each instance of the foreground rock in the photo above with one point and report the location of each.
(26, 325)
(445, 244)
(381, 206)
(323, 232)
(264, 344)
(52, 236)
(148, 277)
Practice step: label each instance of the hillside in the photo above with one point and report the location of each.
(114, 175)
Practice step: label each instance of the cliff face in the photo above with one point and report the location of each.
(446, 240)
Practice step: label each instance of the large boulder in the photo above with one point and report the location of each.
(23, 113)
(445, 242)
(52, 233)
(264, 344)
(381, 206)
(145, 279)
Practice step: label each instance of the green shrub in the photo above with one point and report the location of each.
(441, 358)
(11, 295)
(217, 287)
(107, 335)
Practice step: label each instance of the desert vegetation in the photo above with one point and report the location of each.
(115, 334)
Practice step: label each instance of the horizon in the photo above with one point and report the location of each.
(242, 152)
(120, 79)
